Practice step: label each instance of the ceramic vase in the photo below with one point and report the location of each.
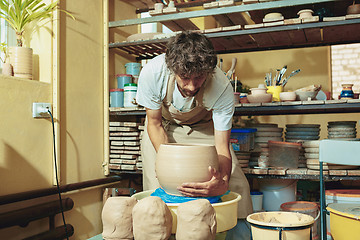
(7, 69)
(183, 163)
(347, 92)
(21, 58)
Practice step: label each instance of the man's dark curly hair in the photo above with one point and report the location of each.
(189, 54)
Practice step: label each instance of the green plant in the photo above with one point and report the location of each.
(19, 13)
(3, 49)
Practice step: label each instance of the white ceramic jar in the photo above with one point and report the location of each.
(130, 90)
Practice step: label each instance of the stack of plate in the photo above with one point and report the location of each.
(341, 129)
(312, 158)
(264, 133)
(243, 159)
(306, 132)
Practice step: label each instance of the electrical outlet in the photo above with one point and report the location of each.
(40, 110)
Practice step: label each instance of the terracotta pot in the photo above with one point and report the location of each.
(7, 69)
(21, 58)
(181, 163)
(353, 9)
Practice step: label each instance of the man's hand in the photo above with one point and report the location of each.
(216, 186)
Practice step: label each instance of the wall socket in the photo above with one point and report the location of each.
(40, 110)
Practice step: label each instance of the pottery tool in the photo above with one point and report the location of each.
(220, 64)
(232, 68)
(293, 73)
(236, 80)
(282, 72)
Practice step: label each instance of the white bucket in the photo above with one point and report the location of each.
(277, 192)
(280, 225)
(257, 201)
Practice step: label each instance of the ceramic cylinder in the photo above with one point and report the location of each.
(183, 163)
(21, 58)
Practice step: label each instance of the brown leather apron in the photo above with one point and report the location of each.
(194, 126)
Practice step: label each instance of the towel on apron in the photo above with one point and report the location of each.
(194, 126)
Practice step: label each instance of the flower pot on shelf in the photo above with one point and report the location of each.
(21, 58)
(7, 69)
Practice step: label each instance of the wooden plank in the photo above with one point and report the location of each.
(297, 36)
(173, 26)
(258, 171)
(217, 43)
(223, 20)
(313, 35)
(238, 18)
(348, 33)
(229, 43)
(245, 41)
(353, 172)
(338, 172)
(277, 171)
(298, 171)
(281, 38)
(263, 40)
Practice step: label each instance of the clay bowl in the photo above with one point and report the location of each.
(305, 13)
(305, 95)
(255, 91)
(260, 98)
(353, 9)
(287, 96)
(180, 163)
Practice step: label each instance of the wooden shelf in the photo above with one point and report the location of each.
(302, 173)
(276, 108)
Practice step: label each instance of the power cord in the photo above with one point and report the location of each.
(56, 174)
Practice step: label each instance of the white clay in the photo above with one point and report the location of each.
(151, 219)
(196, 220)
(117, 218)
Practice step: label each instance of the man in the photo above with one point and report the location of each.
(189, 100)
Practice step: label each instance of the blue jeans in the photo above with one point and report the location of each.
(241, 231)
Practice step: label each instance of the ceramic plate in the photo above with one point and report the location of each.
(315, 133)
(303, 137)
(294, 129)
(303, 125)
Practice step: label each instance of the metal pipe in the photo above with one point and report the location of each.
(16, 197)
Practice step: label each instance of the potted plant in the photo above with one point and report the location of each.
(19, 13)
(6, 66)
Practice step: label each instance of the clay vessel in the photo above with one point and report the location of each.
(287, 96)
(260, 98)
(305, 13)
(181, 163)
(256, 91)
(353, 9)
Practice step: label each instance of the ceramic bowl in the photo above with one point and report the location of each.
(305, 95)
(256, 91)
(260, 98)
(184, 163)
(305, 13)
(273, 15)
(287, 96)
(353, 9)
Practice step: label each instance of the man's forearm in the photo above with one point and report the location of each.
(157, 135)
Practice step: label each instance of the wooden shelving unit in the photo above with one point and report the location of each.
(233, 35)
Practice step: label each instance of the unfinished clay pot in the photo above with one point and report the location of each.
(353, 9)
(182, 163)
(305, 13)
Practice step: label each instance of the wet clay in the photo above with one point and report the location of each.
(151, 219)
(196, 220)
(117, 218)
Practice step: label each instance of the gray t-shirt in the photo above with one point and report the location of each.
(152, 86)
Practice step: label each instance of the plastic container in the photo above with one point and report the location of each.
(277, 192)
(275, 91)
(226, 211)
(116, 97)
(280, 225)
(130, 90)
(344, 221)
(242, 139)
(284, 154)
(309, 208)
(123, 79)
(133, 68)
(351, 196)
(257, 201)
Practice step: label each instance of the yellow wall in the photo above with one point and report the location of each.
(26, 144)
